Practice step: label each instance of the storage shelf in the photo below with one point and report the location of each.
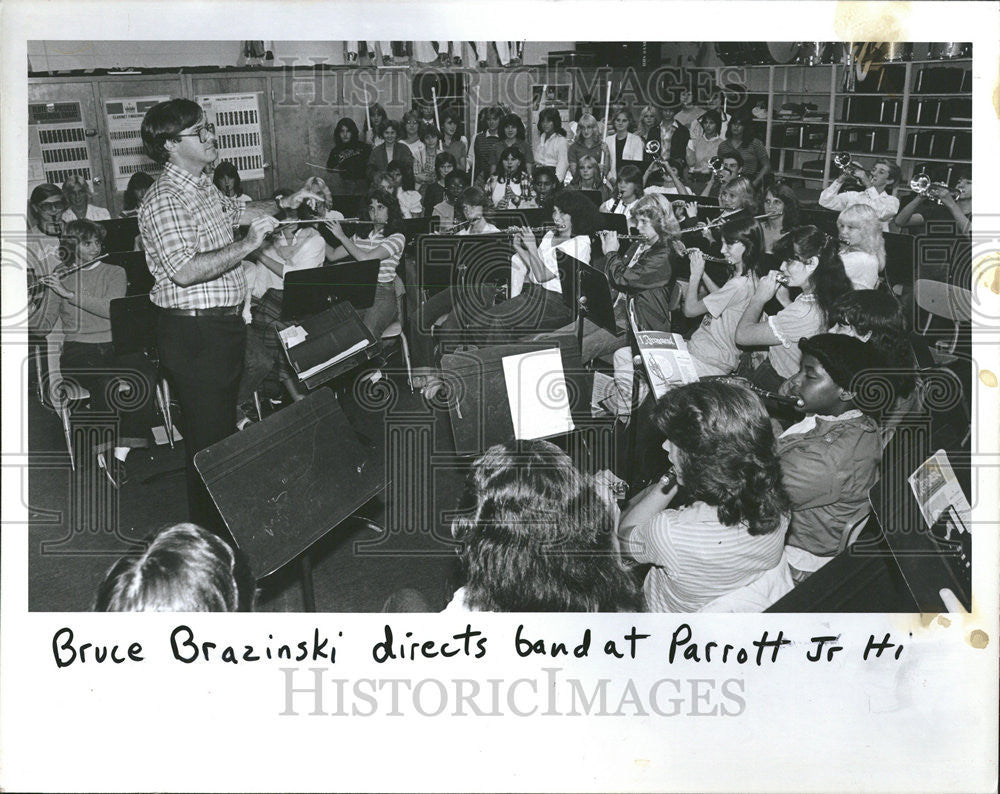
(778, 120)
(936, 159)
(798, 175)
(935, 127)
(865, 124)
(820, 151)
(951, 95)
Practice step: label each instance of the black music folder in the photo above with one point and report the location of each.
(327, 344)
(120, 233)
(282, 484)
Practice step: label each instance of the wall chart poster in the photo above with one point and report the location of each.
(237, 130)
(124, 122)
(58, 136)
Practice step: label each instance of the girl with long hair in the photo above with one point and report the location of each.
(348, 158)
(509, 186)
(713, 344)
(451, 141)
(551, 147)
(732, 530)
(384, 242)
(537, 537)
(862, 247)
(740, 138)
(810, 263)
(782, 207)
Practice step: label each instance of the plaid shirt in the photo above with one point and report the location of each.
(181, 216)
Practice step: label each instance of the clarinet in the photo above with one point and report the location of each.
(764, 394)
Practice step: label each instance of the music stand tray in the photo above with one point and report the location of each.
(479, 410)
(284, 483)
(315, 289)
(462, 260)
(140, 280)
(595, 289)
(612, 222)
(120, 234)
(133, 324)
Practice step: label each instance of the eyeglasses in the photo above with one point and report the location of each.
(52, 206)
(203, 133)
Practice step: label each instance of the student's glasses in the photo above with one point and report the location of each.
(203, 133)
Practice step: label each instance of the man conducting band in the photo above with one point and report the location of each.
(186, 225)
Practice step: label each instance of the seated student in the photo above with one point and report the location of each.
(587, 141)
(830, 459)
(390, 150)
(629, 191)
(434, 193)
(644, 274)
(732, 164)
(781, 205)
(810, 263)
(862, 247)
(877, 318)
(663, 176)
(81, 301)
(588, 176)
(77, 193)
(184, 569)
(537, 537)
(721, 445)
(425, 163)
(448, 210)
(227, 179)
(940, 204)
(384, 242)
(512, 134)
(508, 188)
(544, 187)
(877, 194)
(713, 344)
(398, 180)
(137, 186)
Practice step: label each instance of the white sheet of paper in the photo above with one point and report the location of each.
(536, 390)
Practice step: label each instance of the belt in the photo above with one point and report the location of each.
(213, 311)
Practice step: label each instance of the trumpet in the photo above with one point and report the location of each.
(653, 147)
(846, 164)
(922, 185)
(715, 163)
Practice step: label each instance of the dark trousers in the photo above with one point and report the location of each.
(204, 358)
(96, 367)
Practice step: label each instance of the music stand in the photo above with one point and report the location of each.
(284, 483)
(594, 301)
(612, 222)
(594, 196)
(479, 411)
(530, 216)
(461, 260)
(313, 290)
(349, 206)
(140, 280)
(120, 234)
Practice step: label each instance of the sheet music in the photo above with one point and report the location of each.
(536, 390)
(936, 488)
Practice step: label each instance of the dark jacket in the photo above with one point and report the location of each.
(650, 282)
(378, 161)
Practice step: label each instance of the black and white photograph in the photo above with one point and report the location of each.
(601, 365)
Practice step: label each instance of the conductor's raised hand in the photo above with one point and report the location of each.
(260, 227)
(293, 201)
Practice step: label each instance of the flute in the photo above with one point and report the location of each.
(706, 257)
(63, 272)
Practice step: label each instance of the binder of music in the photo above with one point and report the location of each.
(324, 345)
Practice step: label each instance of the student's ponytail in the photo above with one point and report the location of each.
(829, 279)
